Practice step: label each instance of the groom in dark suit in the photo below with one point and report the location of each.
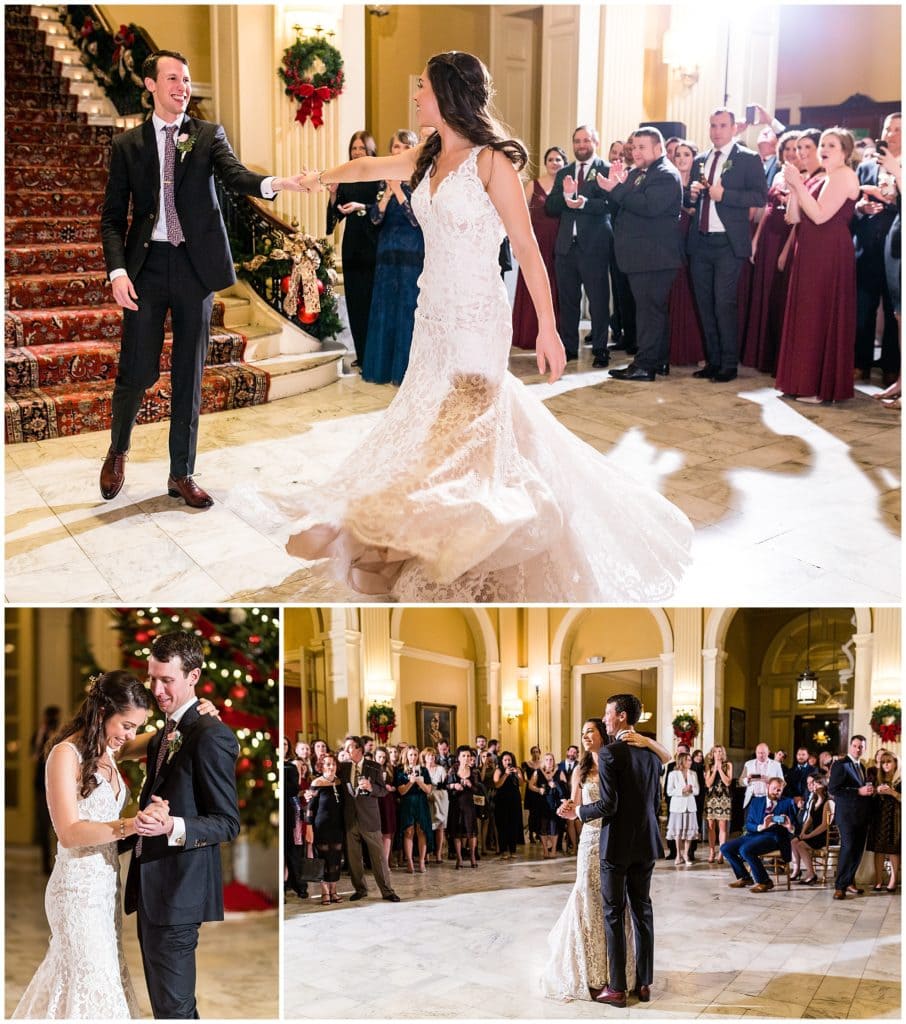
(188, 807)
(629, 781)
(853, 796)
(172, 257)
(725, 183)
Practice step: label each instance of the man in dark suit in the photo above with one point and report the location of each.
(725, 183)
(172, 257)
(871, 225)
(630, 843)
(188, 807)
(771, 823)
(852, 795)
(648, 200)
(582, 248)
(364, 784)
(798, 774)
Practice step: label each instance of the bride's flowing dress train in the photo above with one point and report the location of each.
(576, 945)
(84, 974)
(468, 488)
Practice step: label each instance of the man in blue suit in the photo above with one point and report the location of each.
(771, 823)
(725, 183)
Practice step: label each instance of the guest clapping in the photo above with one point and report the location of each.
(682, 823)
(718, 803)
(815, 363)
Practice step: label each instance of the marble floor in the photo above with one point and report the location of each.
(237, 959)
(786, 499)
(472, 944)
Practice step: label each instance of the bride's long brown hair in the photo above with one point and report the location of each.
(463, 90)
(111, 693)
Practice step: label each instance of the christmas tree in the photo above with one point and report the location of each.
(240, 676)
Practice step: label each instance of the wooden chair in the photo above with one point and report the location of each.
(774, 862)
(830, 852)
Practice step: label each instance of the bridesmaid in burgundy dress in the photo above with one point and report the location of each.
(765, 319)
(525, 323)
(817, 347)
(687, 346)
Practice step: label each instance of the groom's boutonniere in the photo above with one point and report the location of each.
(639, 180)
(726, 167)
(184, 145)
(173, 745)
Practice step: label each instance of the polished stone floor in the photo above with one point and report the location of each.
(237, 959)
(472, 944)
(786, 499)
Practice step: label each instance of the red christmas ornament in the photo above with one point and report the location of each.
(321, 286)
(206, 688)
(141, 637)
(284, 284)
(306, 317)
(268, 763)
(243, 765)
(239, 692)
(255, 640)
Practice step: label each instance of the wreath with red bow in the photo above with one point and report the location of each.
(685, 728)
(312, 71)
(885, 720)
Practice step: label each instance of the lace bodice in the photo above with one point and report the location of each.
(463, 233)
(590, 793)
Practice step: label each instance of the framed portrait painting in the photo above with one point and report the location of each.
(435, 723)
(737, 728)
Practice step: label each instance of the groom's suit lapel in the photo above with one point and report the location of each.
(151, 159)
(186, 724)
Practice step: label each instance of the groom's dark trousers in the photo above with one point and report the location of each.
(179, 278)
(174, 888)
(630, 843)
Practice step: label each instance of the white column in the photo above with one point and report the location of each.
(494, 696)
(621, 105)
(713, 711)
(864, 650)
(665, 683)
(377, 661)
(555, 686)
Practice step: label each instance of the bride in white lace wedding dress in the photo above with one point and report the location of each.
(469, 489)
(576, 946)
(84, 974)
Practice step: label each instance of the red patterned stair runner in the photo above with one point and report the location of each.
(62, 328)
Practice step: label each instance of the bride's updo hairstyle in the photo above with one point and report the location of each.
(587, 764)
(463, 90)
(111, 693)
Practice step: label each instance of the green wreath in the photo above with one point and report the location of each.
(886, 720)
(312, 71)
(685, 727)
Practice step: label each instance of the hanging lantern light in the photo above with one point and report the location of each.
(807, 683)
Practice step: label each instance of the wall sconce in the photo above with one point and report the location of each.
(645, 716)
(676, 48)
(310, 21)
(595, 659)
(512, 709)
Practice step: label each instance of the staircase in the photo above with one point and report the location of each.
(62, 329)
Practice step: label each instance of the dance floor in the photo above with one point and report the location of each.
(786, 499)
(472, 944)
(237, 958)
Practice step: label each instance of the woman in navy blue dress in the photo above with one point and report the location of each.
(400, 255)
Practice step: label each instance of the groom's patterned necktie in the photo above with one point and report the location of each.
(174, 229)
(161, 754)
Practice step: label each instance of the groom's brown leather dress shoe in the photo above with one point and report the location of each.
(185, 487)
(611, 997)
(643, 992)
(113, 473)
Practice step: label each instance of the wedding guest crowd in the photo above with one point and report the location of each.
(779, 259)
(405, 807)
